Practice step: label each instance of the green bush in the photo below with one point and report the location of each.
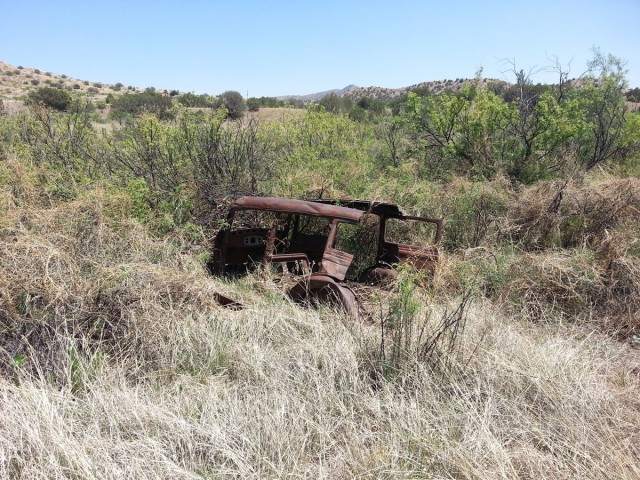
(633, 95)
(50, 97)
(470, 212)
(195, 101)
(137, 103)
(253, 104)
(233, 102)
(265, 102)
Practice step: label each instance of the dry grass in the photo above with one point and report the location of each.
(583, 244)
(278, 114)
(117, 364)
(286, 397)
(580, 212)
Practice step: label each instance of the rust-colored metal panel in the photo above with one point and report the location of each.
(227, 302)
(245, 245)
(420, 257)
(285, 205)
(335, 263)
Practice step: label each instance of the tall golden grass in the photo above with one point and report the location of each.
(117, 363)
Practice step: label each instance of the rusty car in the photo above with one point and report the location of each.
(326, 245)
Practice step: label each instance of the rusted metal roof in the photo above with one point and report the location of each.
(378, 208)
(283, 205)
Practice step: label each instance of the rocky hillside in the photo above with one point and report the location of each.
(383, 93)
(320, 95)
(16, 81)
(436, 86)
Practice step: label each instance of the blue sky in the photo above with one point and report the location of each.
(283, 47)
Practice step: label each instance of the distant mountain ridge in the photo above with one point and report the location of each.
(320, 95)
(18, 81)
(383, 93)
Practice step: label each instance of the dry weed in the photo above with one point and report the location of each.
(117, 364)
(280, 393)
(574, 213)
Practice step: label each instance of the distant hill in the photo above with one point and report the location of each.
(436, 86)
(18, 81)
(320, 95)
(383, 93)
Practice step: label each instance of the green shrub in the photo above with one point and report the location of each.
(413, 334)
(138, 193)
(50, 97)
(193, 100)
(470, 212)
(253, 104)
(233, 102)
(135, 104)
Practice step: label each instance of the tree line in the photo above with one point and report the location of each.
(188, 161)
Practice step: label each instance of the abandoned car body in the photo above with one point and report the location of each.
(308, 238)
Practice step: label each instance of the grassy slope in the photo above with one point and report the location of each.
(117, 364)
(17, 81)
